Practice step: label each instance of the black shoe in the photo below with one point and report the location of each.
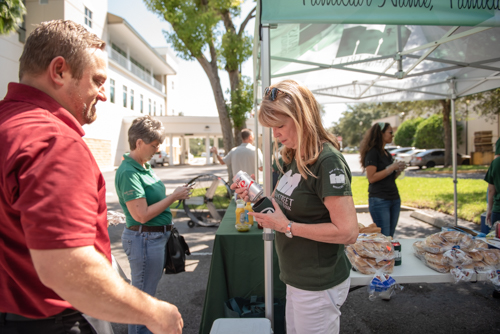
(496, 294)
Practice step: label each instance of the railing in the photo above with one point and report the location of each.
(123, 61)
(139, 72)
(136, 70)
(157, 85)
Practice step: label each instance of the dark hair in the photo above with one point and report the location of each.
(245, 133)
(146, 128)
(56, 38)
(372, 138)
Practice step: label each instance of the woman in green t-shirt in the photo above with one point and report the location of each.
(146, 206)
(314, 212)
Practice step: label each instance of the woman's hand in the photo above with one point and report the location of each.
(181, 193)
(242, 192)
(276, 221)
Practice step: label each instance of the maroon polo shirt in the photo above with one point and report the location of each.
(52, 196)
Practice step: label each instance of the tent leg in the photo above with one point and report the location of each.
(268, 234)
(454, 149)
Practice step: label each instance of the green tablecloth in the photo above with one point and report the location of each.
(237, 269)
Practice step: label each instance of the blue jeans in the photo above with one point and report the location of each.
(385, 213)
(146, 255)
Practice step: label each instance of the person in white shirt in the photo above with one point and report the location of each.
(241, 157)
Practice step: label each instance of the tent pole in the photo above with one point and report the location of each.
(454, 147)
(268, 234)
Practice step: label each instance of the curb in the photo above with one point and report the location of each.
(364, 208)
(426, 218)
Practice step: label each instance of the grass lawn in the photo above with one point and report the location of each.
(434, 193)
(220, 199)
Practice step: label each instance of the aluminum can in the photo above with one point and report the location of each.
(243, 180)
(397, 252)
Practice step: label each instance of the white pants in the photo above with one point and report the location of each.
(315, 312)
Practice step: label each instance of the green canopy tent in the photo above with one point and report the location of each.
(349, 51)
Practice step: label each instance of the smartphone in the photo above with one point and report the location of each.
(190, 185)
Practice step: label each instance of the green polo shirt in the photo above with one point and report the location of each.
(132, 181)
(304, 263)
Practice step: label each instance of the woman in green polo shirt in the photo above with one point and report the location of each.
(143, 200)
(314, 212)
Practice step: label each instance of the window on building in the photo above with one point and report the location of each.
(132, 99)
(161, 110)
(125, 96)
(88, 17)
(22, 28)
(155, 109)
(142, 104)
(150, 106)
(112, 90)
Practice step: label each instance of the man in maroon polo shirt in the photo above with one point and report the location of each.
(54, 246)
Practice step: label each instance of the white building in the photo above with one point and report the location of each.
(141, 80)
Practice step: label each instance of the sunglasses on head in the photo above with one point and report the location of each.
(274, 93)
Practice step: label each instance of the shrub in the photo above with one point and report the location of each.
(405, 135)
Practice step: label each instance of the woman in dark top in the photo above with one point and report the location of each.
(383, 196)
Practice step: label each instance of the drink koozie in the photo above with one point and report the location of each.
(263, 205)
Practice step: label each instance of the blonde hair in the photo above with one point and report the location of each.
(298, 103)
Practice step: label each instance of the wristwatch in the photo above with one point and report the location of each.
(288, 231)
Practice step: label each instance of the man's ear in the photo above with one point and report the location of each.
(59, 71)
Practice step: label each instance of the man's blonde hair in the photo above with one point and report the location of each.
(56, 38)
(297, 102)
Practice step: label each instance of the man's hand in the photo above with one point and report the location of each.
(213, 149)
(84, 277)
(169, 320)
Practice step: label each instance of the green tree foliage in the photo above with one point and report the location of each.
(429, 133)
(358, 119)
(405, 135)
(485, 104)
(204, 30)
(240, 106)
(11, 15)
(197, 146)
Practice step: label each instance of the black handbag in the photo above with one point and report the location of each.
(175, 253)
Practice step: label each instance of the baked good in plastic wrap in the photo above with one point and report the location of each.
(366, 265)
(115, 218)
(443, 241)
(371, 253)
(374, 245)
(480, 244)
(372, 228)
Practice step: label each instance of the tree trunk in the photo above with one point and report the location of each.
(234, 81)
(225, 123)
(446, 104)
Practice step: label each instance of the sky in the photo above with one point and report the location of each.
(193, 78)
